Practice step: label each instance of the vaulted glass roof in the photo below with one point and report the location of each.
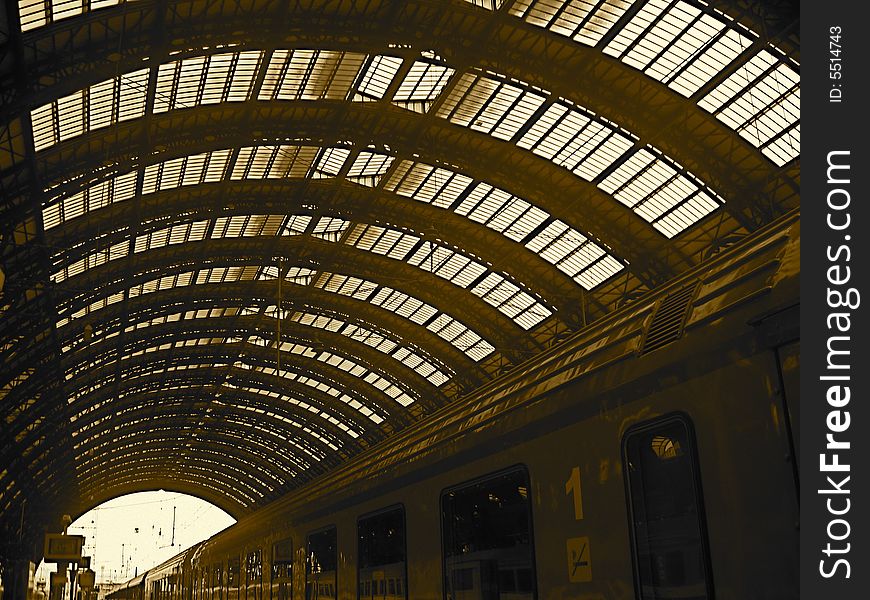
(243, 242)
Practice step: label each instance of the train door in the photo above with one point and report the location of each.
(671, 554)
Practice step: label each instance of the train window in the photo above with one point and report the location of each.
(381, 551)
(204, 592)
(217, 582)
(233, 579)
(321, 561)
(487, 533)
(666, 511)
(282, 570)
(254, 575)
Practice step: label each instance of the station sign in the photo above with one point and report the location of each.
(85, 579)
(59, 547)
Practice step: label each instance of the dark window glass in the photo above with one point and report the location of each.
(381, 551)
(487, 530)
(217, 581)
(670, 547)
(282, 570)
(233, 578)
(320, 565)
(254, 575)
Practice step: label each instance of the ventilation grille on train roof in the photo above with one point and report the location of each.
(668, 320)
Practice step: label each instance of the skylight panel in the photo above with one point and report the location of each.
(422, 85)
(247, 225)
(378, 76)
(226, 77)
(93, 260)
(444, 262)
(36, 13)
(380, 240)
(572, 253)
(167, 282)
(225, 274)
(583, 21)
(707, 61)
(330, 228)
(186, 170)
(310, 75)
(447, 264)
(499, 210)
(369, 167)
(377, 341)
(679, 44)
(425, 183)
(404, 305)
(642, 21)
(490, 105)
(657, 190)
(410, 308)
(102, 104)
(274, 162)
(95, 197)
(487, 4)
(330, 162)
(576, 141)
(511, 300)
(33, 13)
(391, 389)
(461, 337)
(70, 115)
(177, 234)
(353, 287)
(761, 101)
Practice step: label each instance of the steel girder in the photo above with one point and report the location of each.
(355, 203)
(508, 338)
(251, 325)
(607, 87)
(299, 297)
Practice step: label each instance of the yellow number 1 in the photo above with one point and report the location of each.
(573, 486)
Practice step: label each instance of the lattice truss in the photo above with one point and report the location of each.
(265, 309)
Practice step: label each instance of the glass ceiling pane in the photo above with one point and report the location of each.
(448, 264)
(570, 138)
(487, 4)
(311, 75)
(211, 79)
(491, 105)
(583, 21)
(377, 341)
(680, 44)
(663, 193)
(422, 85)
(497, 209)
(106, 103)
(377, 77)
(406, 306)
(761, 101)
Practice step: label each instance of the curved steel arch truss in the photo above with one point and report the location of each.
(325, 233)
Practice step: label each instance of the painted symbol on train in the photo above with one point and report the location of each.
(579, 560)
